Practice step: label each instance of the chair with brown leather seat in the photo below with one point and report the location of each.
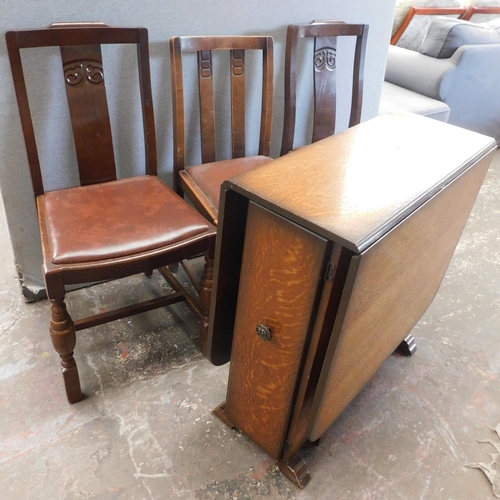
(105, 228)
(201, 183)
(324, 66)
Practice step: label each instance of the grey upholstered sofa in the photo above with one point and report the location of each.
(449, 81)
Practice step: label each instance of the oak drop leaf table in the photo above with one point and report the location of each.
(326, 259)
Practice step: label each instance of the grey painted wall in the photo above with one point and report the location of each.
(163, 19)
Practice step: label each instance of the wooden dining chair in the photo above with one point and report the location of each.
(201, 183)
(324, 65)
(107, 227)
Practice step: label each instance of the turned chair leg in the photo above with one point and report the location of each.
(63, 335)
(205, 295)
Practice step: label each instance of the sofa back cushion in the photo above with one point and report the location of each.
(446, 34)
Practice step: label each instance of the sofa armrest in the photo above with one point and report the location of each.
(418, 72)
(477, 71)
(472, 89)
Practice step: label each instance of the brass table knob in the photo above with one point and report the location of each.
(264, 332)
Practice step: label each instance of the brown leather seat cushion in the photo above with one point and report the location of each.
(116, 219)
(210, 176)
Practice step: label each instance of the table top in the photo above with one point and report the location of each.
(356, 186)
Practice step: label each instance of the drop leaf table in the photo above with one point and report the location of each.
(326, 259)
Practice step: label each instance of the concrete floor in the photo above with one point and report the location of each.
(145, 429)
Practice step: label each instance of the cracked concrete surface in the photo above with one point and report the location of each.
(492, 469)
(145, 429)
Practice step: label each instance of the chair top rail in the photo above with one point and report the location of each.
(62, 34)
(327, 29)
(197, 43)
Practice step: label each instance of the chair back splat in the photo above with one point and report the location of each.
(325, 35)
(105, 228)
(202, 184)
(85, 88)
(84, 79)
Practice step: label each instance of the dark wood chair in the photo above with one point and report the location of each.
(105, 228)
(325, 35)
(201, 183)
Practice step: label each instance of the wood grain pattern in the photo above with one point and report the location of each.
(393, 283)
(281, 270)
(316, 349)
(355, 186)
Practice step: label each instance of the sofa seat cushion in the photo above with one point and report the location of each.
(395, 98)
(446, 34)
